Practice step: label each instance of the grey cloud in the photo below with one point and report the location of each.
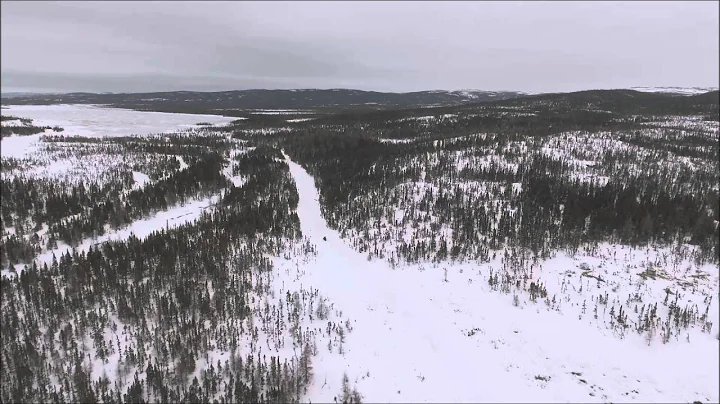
(14, 81)
(396, 46)
(54, 82)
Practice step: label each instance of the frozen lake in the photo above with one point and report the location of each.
(95, 121)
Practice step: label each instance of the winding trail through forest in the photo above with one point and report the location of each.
(405, 340)
(411, 333)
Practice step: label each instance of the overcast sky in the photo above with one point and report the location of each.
(377, 45)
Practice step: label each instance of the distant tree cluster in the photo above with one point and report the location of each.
(25, 129)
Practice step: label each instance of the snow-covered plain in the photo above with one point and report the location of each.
(300, 120)
(96, 121)
(280, 112)
(90, 120)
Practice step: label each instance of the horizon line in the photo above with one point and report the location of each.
(48, 92)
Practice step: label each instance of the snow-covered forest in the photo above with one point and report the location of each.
(545, 248)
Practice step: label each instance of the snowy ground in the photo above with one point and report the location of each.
(418, 338)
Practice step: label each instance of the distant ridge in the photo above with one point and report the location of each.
(626, 101)
(239, 103)
(267, 99)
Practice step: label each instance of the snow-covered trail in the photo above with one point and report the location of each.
(174, 216)
(410, 346)
(411, 333)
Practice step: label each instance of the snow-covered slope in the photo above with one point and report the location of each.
(434, 335)
(675, 90)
